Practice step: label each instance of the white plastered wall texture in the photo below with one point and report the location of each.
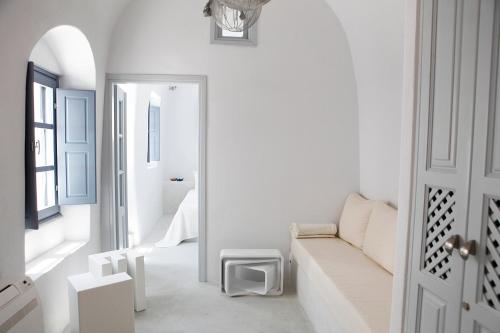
(179, 142)
(144, 180)
(179, 130)
(282, 116)
(375, 32)
(22, 24)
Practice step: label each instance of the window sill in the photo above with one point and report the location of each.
(50, 259)
(152, 165)
(51, 218)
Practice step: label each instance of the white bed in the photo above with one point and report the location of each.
(185, 222)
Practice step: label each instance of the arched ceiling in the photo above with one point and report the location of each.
(375, 33)
(73, 55)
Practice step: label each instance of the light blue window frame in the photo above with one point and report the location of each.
(153, 133)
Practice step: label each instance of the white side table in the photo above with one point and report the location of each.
(266, 265)
(101, 304)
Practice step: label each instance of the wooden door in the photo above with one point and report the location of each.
(120, 166)
(445, 113)
(481, 307)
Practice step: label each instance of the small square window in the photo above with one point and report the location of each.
(221, 36)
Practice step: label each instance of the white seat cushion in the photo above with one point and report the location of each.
(354, 219)
(380, 237)
(357, 290)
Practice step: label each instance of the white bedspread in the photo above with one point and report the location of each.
(184, 224)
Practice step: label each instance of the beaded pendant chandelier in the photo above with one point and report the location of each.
(234, 15)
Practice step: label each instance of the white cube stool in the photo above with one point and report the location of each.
(251, 272)
(101, 304)
(122, 261)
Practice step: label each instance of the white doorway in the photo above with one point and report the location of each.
(160, 156)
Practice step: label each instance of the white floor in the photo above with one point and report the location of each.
(177, 302)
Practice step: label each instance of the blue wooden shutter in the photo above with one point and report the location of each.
(154, 133)
(76, 152)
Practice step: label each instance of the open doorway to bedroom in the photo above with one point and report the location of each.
(157, 140)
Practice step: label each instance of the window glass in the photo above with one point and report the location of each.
(44, 143)
(121, 147)
(44, 147)
(222, 36)
(121, 118)
(227, 33)
(153, 133)
(46, 189)
(44, 104)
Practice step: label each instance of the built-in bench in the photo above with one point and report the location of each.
(345, 283)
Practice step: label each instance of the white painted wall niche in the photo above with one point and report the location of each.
(55, 250)
(282, 129)
(65, 51)
(375, 32)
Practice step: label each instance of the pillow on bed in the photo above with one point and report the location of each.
(354, 219)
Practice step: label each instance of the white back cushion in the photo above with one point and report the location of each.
(354, 219)
(380, 238)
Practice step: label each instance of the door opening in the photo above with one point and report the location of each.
(156, 134)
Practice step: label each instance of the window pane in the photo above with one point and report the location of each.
(44, 104)
(121, 118)
(46, 189)
(121, 153)
(44, 147)
(227, 33)
(122, 190)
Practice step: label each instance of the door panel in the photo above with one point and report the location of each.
(439, 226)
(433, 313)
(443, 108)
(491, 30)
(482, 273)
(491, 263)
(445, 111)
(120, 168)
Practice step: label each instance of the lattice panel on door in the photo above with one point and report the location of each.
(440, 219)
(491, 282)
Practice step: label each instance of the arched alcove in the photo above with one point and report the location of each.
(278, 112)
(66, 52)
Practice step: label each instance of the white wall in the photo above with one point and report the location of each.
(179, 142)
(375, 32)
(43, 56)
(145, 204)
(22, 24)
(282, 117)
(179, 131)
